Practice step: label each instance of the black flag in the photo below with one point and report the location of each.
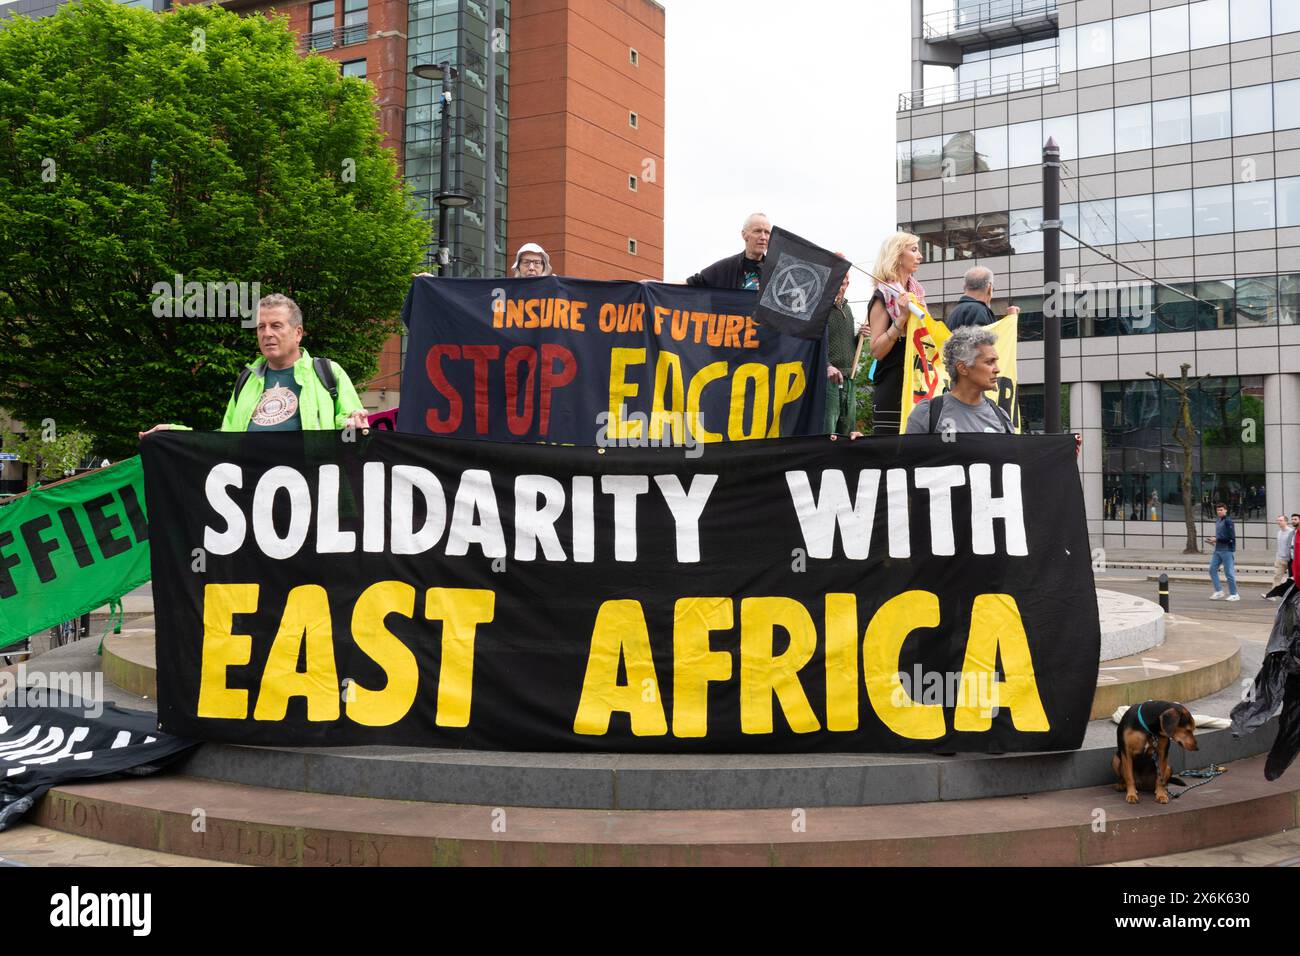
(799, 282)
(49, 744)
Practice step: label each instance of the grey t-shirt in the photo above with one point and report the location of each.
(1285, 543)
(956, 415)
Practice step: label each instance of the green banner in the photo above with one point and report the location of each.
(71, 547)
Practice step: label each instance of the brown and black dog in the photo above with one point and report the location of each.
(1147, 730)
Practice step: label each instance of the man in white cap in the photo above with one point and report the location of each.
(531, 261)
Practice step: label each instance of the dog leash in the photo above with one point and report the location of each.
(1205, 775)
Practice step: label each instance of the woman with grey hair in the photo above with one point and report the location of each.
(531, 261)
(972, 364)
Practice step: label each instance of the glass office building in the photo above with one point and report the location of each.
(1179, 129)
(456, 31)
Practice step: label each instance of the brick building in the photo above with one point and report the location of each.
(579, 123)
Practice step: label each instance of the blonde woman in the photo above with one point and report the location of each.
(887, 314)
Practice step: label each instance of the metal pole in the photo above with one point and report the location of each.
(458, 159)
(1163, 592)
(1052, 288)
(444, 173)
(490, 187)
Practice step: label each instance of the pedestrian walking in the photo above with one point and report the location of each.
(1225, 556)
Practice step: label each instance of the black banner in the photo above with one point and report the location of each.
(624, 364)
(41, 746)
(901, 594)
(800, 282)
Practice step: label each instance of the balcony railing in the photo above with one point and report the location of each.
(992, 19)
(987, 86)
(339, 36)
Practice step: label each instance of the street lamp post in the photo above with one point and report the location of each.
(449, 196)
(1051, 287)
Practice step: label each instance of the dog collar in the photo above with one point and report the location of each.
(1143, 722)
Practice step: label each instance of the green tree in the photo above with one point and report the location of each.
(137, 146)
(864, 392)
(48, 453)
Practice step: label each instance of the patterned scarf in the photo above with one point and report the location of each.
(894, 301)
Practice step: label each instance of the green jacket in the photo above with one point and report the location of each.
(318, 412)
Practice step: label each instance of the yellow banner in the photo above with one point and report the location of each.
(925, 377)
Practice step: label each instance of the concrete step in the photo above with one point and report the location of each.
(241, 824)
(26, 844)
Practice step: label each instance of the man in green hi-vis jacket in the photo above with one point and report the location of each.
(286, 389)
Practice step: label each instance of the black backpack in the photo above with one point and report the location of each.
(324, 372)
(936, 405)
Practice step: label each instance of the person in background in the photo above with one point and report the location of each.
(531, 261)
(740, 271)
(285, 389)
(841, 397)
(1225, 547)
(972, 361)
(887, 317)
(1282, 557)
(975, 306)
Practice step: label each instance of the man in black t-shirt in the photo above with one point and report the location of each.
(742, 271)
(974, 307)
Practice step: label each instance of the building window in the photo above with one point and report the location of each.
(631, 183)
(1097, 220)
(1026, 143)
(1097, 133)
(1133, 217)
(927, 157)
(1132, 38)
(1286, 97)
(1211, 116)
(1174, 214)
(1288, 201)
(355, 68)
(321, 35)
(1094, 44)
(631, 120)
(631, 247)
(1142, 462)
(1168, 31)
(1249, 19)
(1132, 127)
(1253, 204)
(1212, 210)
(959, 154)
(1171, 122)
(1252, 110)
(1209, 19)
(633, 57)
(905, 161)
(1064, 129)
(1256, 301)
(990, 149)
(1027, 230)
(355, 20)
(1288, 299)
(1286, 16)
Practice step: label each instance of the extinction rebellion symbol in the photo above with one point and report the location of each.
(796, 287)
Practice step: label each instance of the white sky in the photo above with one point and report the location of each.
(785, 107)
